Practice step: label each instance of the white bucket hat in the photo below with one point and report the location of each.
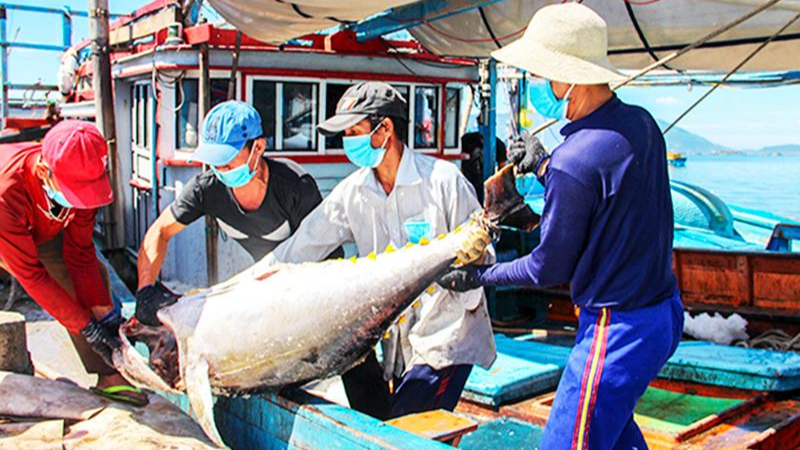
(566, 43)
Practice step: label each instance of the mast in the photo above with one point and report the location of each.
(212, 230)
(104, 117)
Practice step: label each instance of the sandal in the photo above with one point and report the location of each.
(117, 394)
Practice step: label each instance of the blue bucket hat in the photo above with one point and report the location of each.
(226, 128)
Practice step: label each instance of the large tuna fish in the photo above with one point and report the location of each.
(295, 323)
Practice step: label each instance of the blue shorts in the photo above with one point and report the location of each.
(616, 356)
(424, 388)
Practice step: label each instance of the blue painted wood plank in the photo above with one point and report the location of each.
(522, 369)
(503, 434)
(299, 420)
(744, 368)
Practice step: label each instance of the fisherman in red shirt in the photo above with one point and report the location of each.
(49, 195)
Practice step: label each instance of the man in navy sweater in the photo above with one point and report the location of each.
(606, 229)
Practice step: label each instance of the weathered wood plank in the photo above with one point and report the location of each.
(144, 27)
(27, 396)
(522, 369)
(297, 420)
(46, 435)
(743, 368)
(14, 356)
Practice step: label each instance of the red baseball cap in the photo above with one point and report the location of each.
(77, 154)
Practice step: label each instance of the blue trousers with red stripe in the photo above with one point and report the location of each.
(616, 355)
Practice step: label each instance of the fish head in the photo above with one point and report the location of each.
(135, 368)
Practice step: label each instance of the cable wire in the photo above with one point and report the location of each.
(478, 40)
(747, 59)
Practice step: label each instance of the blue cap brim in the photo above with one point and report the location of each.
(215, 154)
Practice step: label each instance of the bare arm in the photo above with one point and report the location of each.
(154, 247)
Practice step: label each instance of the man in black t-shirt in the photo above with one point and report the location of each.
(257, 202)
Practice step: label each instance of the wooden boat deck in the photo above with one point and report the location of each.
(512, 399)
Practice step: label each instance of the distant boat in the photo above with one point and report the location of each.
(676, 159)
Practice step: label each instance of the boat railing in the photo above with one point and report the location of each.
(5, 48)
(782, 236)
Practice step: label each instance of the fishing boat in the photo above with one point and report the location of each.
(168, 69)
(676, 159)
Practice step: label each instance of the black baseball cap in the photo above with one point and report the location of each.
(361, 101)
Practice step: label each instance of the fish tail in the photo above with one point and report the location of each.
(503, 205)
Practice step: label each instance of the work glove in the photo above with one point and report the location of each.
(112, 321)
(102, 341)
(460, 279)
(528, 154)
(149, 300)
(474, 247)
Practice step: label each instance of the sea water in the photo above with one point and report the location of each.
(768, 183)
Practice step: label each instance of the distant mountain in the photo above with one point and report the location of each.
(787, 148)
(684, 141)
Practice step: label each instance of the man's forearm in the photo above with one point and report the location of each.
(151, 258)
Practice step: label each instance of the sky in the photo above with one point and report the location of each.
(735, 117)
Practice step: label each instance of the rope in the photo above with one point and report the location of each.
(460, 39)
(773, 340)
(676, 54)
(731, 72)
(640, 32)
(485, 21)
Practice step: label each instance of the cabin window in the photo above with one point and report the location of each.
(188, 131)
(288, 114)
(141, 134)
(452, 117)
(404, 92)
(299, 122)
(333, 94)
(142, 117)
(426, 108)
(264, 102)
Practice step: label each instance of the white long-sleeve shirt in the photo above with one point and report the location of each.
(442, 328)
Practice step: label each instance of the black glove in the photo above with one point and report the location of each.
(149, 300)
(460, 279)
(102, 341)
(112, 321)
(527, 153)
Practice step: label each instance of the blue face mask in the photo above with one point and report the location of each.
(237, 177)
(359, 150)
(56, 196)
(545, 102)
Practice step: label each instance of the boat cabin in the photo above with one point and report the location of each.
(157, 99)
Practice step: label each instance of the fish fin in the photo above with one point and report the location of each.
(198, 388)
(389, 249)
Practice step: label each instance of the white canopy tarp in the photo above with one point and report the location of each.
(666, 25)
(277, 21)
